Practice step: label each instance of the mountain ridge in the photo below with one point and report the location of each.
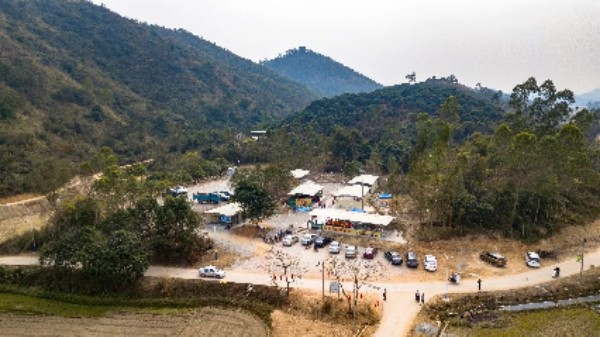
(320, 73)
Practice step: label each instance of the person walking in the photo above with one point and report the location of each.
(479, 284)
(417, 297)
(422, 298)
(384, 294)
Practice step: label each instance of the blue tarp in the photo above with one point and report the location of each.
(357, 210)
(385, 196)
(303, 209)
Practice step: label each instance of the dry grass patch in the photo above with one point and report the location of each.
(334, 312)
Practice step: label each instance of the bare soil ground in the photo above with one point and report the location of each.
(309, 315)
(18, 218)
(210, 322)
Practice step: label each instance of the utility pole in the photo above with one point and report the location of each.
(323, 278)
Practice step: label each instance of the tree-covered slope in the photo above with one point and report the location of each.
(320, 73)
(75, 76)
(374, 113)
(377, 130)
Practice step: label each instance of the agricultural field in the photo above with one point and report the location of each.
(28, 316)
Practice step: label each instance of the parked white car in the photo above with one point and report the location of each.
(430, 263)
(211, 271)
(289, 240)
(351, 252)
(532, 260)
(307, 239)
(335, 247)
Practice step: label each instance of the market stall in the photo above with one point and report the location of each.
(230, 214)
(358, 223)
(305, 195)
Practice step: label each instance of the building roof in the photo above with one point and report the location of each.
(365, 179)
(307, 188)
(355, 191)
(323, 214)
(227, 210)
(299, 173)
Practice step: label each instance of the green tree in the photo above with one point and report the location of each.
(256, 201)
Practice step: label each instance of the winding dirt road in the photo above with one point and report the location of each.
(400, 308)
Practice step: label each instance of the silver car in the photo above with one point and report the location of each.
(211, 271)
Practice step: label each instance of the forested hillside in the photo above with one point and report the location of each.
(320, 73)
(75, 77)
(379, 128)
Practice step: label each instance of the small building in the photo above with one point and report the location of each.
(367, 180)
(305, 194)
(258, 134)
(299, 174)
(230, 214)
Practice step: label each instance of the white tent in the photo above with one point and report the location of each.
(354, 191)
(365, 179)
(227, 210)
(307, 188)
(323, 214)
(299, 173)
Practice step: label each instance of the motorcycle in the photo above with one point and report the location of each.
(454, 278)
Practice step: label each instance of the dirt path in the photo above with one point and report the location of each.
(400, 308)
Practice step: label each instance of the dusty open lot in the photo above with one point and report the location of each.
(210, 322)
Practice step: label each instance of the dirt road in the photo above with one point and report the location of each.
(400, 308)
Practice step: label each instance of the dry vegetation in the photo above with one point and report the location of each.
(309, 315)
(477, 314)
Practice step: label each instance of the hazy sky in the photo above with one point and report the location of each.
(498, 43)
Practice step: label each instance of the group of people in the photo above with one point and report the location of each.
(276, 236)
(420, 297)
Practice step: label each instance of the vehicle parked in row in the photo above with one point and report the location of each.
(178, 191)
(322, 241)
(222, 196)
(394, 258)
(308, 239)
(204, 198)
(412, 261)
(532, 259)
(370, 253)
(494, 259)
(351, 252)
(211, 271)
(289, 240)
(335, 247)
(430, 263)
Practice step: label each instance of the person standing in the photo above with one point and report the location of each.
(417, 297)
(422, 298)
(479, 284)
(384, 294)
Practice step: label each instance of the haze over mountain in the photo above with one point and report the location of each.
(589, 99)
(75, 76)
(320, 73)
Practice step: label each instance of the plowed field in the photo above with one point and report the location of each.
(202, 322)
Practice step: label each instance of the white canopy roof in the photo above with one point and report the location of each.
(365, 179)
(323, 214)
(299, 173)
(307, 188)
(356, 191)
(227, 210)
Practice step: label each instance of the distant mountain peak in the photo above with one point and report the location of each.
(320, 73)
